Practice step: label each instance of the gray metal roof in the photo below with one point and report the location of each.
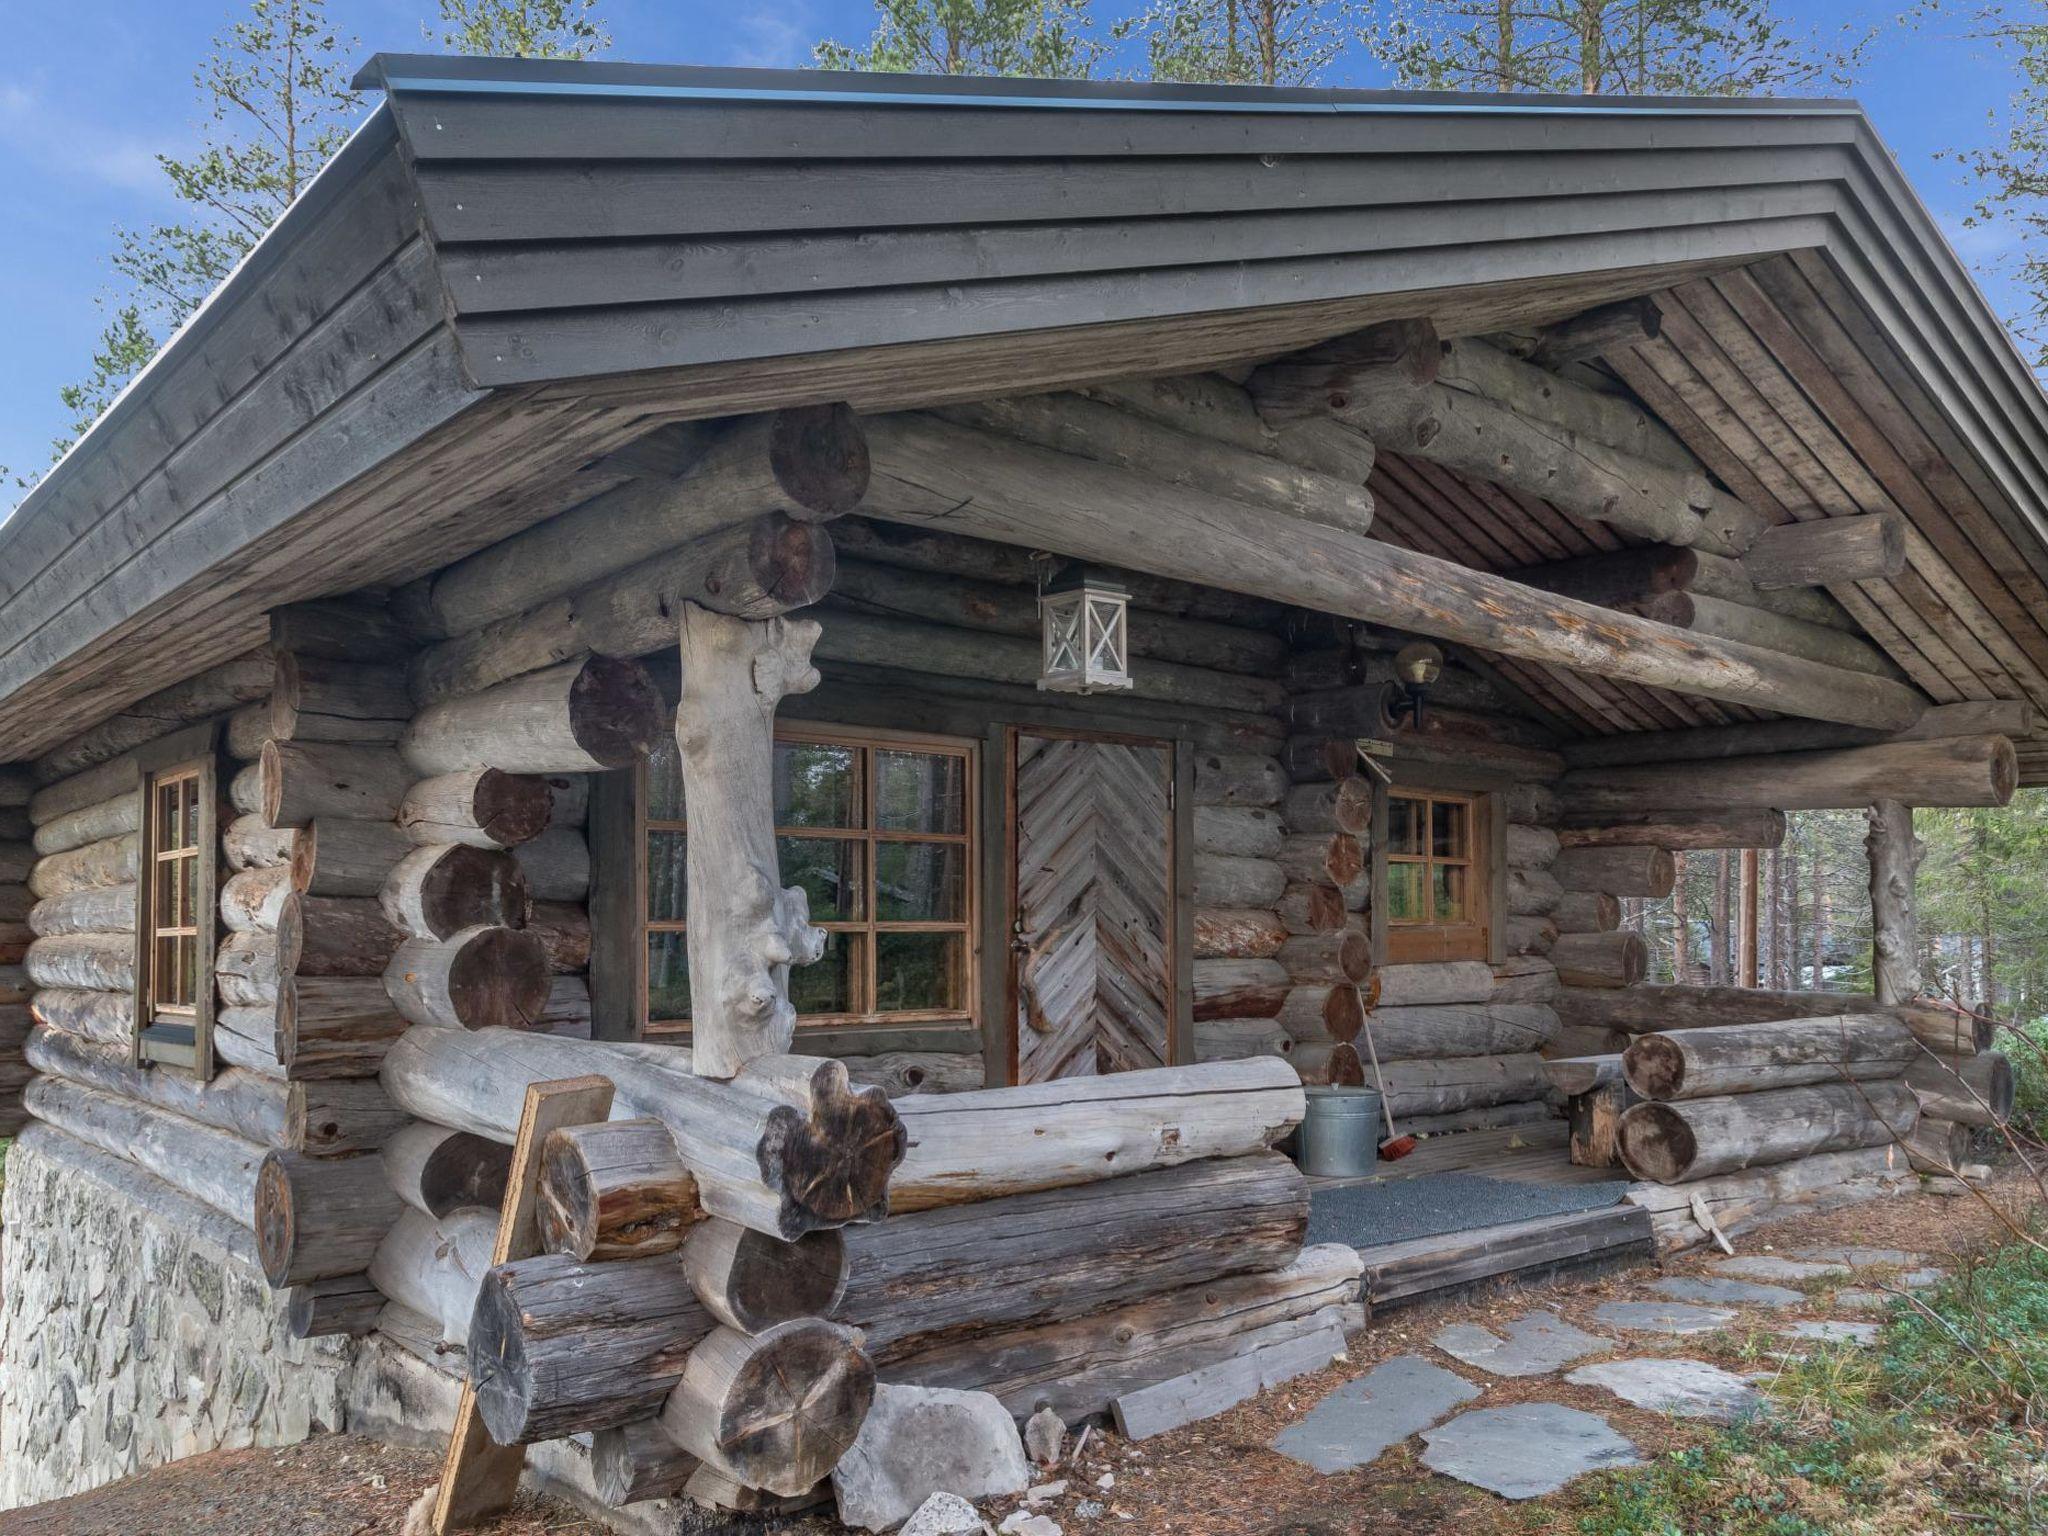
(610, 239)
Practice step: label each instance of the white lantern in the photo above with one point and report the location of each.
(1087, 642)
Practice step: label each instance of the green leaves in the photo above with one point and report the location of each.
(523, 29)
(1044, 38)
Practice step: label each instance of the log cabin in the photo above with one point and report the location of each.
(966, 647)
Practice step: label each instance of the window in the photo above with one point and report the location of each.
(174, 915)
(878, 831)
(1437, 876)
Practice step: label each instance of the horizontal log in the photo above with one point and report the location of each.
(1238, 933)
(344, 936)
(1532, 892)
(480, 807)
(107, 1018)
(1690, 832)
(111, 861)
(1582, 1040)
(1320, 381)
(1760, 738)
(977, 1146)
(1323, 1013)
(1243, 831)
(1969, 1090)
(1437, 1030)
(962, 602)
(1238, 778)
(266, 1113)
(1618, 421)
(321, 1217)
(89, 824)
(557, 864)
(1456, 981)
(1955, 771)
(437, 1171)
(1828, 551)
(1211, 406)
(1308, 908)
(250, 842)
(1695, 1139)
(1224, 881)
(1530, 847)
(302, 781)
(1322, 858)
(1328, 959)
(256, 900)
(1618, 959)
(1597, 332)
(213, 1166)
(483, 977)
(964, 1270)
(1524, 979)
(754, 570)
(1753, 1197)
(583, 716)
(1529, 935)
(434, 1267)
(928, 470)
(93, 962)
(1618, 869)
(435, 892)
(898, 1073)
(214, 691)
(1077, 1365)
(1770, 631)
(96, 909)
(1239, 989)
(558, 1346)
(1342, 806)
(351, 858)
(1651, 1009)
(1484, 1117)
(1094, 429)
(616, 1190)
(1587, 912)
(1746, 1058)
(343, 1306)
(319, 698)
(1235, 1039)
(1464, 1082)
(809, 463)
(788, 1146)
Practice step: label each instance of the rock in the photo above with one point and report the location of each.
(1045, 1435)
(1863, 1301)
(1768, 1266)
(1045, 1491)
(1358, 1421)
(1088, 1509)
(1107, 1480)
(1662, 1316)
(1685, 1389)
(918, 1441)
(944, 1514)
(1525, 1450)
(1862, 1258)
(1739, 1293)
(1534, 1345)
(1831, 1332)
(1024, 1523)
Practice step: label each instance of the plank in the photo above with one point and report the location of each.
(1214, 1389)
(1404, 1272)
(479, 1478)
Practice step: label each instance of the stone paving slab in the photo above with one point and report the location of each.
(1532, 1345)
(1357, 1422)
(1861, 1301)
(1663, 1316)
(1862, 1258)
(1919, 1279)
(1714, 1290)
(1685, 1389)
(1833, 1331)
(1525, 1450)
(1769, 1266)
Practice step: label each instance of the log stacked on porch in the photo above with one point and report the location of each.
(1733, 1102)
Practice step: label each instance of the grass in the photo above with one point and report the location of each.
(1943, 1424)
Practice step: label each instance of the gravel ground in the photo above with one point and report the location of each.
(1217, 1478)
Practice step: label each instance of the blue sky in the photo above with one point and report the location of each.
(90, 90)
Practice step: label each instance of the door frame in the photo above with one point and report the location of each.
(999, 994)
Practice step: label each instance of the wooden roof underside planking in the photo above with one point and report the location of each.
(515, 269)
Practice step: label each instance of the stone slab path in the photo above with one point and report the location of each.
(1361, 1419)
(1534, 1345)
(1525, 1450)
(1715, 1291)
(1685, 1389)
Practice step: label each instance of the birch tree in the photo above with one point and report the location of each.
(1050, 39)
(1244, 42)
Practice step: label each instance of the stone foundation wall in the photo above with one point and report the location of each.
(126, 1342)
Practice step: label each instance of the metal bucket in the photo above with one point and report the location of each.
(1340, 1135)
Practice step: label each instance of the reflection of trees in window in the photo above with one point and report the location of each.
(877, 834)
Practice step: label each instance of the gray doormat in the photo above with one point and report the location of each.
(1365, 1215)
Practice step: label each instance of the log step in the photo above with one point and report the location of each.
(1427, 1268)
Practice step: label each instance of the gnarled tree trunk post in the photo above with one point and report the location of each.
(746, 930)
(1894, 925)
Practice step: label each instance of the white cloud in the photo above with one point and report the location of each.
(63, 144)
(773, 36)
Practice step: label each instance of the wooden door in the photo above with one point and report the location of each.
(1092, 979)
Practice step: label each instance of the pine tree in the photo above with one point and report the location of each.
(1245, 42)
(1046, 38)
(523, 29)
(1630, 47)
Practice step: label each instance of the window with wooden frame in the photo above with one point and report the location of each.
(1439, 877)
(177, 842)
(878, 829)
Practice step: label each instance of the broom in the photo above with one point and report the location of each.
(1395, 1147)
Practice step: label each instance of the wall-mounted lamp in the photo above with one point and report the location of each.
(1416, 665)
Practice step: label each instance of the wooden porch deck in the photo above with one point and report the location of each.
(1530, 1251)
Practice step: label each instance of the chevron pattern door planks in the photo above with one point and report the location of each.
(1094, 894)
